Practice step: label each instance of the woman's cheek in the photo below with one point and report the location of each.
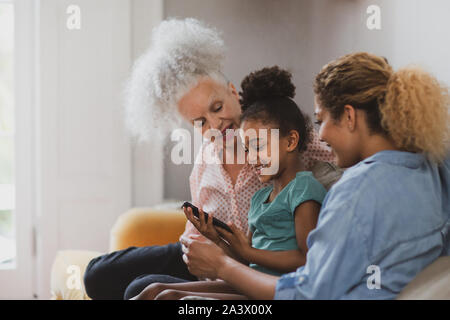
(345, 155)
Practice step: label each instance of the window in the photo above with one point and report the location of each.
(7, 184)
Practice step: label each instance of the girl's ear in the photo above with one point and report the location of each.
(293, 140)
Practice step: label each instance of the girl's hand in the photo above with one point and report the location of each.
(237, 240)
(202, 257)
(206, 228)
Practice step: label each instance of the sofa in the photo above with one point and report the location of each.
(164, 224)
(137, 227)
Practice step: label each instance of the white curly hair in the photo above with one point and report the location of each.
(181, 52)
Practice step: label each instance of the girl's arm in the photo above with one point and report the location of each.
(178, 294)
(253, 284)
(206, 260)
(226, 248)
(306, 215)
(282, 261)
(154, 289)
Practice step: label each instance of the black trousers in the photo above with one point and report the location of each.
(124, 274)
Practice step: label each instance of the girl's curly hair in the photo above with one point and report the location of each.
(267, 95)
(409, 105)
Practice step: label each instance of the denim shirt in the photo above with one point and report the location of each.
(380, 225)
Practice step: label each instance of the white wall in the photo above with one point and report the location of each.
(412, 31)
(303, 35)
(83, 166)
(147, 158)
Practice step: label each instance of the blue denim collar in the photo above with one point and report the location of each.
(398, 158)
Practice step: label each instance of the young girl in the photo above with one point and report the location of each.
(281, 214)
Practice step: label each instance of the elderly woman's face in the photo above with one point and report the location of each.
(213, 105)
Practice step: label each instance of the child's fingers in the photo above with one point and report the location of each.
(186, 213)
(225, 234)
(238, 233)
(234, 228)
(209, 223)
(201, 216)
(191, 218)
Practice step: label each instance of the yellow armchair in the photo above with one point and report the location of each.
(142, 227)
(137, 227)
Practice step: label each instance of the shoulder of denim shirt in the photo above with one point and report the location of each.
(396, 158)
(356, 180)
(382, 161)
(374, 174)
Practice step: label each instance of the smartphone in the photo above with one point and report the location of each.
(216, 222)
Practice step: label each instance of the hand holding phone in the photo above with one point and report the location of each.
(215, 222)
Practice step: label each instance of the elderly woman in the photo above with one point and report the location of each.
(180, 77)
(388, 217)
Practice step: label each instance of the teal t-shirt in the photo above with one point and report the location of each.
(272, 224)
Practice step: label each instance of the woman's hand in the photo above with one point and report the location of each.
(206, 228)
(202, 257)
(239, 243)
(207, 260)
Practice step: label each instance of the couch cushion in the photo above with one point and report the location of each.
(430, 284)
(140, 227)
(67, 274)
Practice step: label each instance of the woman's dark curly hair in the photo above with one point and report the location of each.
(267, 97)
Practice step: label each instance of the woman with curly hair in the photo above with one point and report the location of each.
(180, 77)
(389, 213)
